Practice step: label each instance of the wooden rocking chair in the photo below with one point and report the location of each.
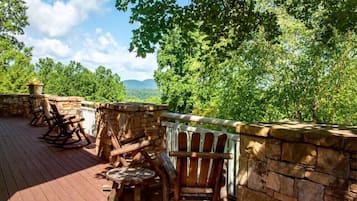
(68, 128)
(199, 170)
(36, 112)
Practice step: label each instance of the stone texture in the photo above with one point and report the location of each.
(338, 189)
(287, 186)
(309, 191)
(320, 178)
(354, 164)
(273, 181)
(252, 147)
(246, 194)
(351, 143)
(330, 198)
(283, 197)
(293, 170)
(243, 171)
(323, 138)
(273, 149)
(353, 175)
(333, 162)
(299, 153)
(253, 129)
(15, 105)
(353, 187)
(113, 119)
(283, 133)
(257, 173)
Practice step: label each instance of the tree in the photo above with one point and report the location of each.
(76, 80)
(297, 76)
(220, 19)
(15, 67)
(12, 20)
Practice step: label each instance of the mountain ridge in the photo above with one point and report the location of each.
(137, 84)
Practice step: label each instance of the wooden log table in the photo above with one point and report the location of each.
(130, 176)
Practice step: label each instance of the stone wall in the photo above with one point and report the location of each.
(18, 105)
(127, 120)
(15, 105)
(297, 162)
(67, 104)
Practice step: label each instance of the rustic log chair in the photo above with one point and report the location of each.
(68, 127)
(128, 152)
(199, 171)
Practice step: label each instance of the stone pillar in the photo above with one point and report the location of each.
(68, 104)
(297, 162)
(127, 120)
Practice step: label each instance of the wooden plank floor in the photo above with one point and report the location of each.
(31, 169)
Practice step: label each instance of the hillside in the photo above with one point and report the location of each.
(136, 84)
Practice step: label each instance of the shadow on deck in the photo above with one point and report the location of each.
(31, 169)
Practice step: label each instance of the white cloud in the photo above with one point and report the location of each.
(102, 49)
(57, 19)
(51, 35)
(97, 49)
(46, 47)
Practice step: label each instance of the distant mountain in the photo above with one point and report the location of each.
(136, 84)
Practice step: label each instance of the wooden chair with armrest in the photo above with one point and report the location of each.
(69, 127)
(127, 154)
(199, 170)
(36, 112)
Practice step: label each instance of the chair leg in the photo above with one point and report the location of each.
(116, 192)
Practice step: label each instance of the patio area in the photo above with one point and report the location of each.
(31, 169)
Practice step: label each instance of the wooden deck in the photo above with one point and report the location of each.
(31, 169)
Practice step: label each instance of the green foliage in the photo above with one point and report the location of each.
(220, 19)
(15, 67)
(297, 76)
(142, 94)
(12, 20)
(75, 80)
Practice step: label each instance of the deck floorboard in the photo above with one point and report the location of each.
(31, 169)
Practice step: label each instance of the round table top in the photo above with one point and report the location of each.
(130, 175)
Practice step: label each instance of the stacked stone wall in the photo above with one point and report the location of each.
(18, 105)
(15, 105)
(127, 120)
(297, 162)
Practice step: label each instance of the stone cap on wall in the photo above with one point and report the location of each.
(338, 136)
(65, 98)
(133, 107)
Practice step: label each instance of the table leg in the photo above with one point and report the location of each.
(116, 192)
(137, 193)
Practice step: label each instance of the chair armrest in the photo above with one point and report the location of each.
(207, 155)
(168, 167)
(133, 139)
(130, 148)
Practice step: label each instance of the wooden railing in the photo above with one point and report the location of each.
(190, 124)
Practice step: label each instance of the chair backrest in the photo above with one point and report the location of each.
(199, 166)
(128, 151)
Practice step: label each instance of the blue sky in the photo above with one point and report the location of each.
(92, 32)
